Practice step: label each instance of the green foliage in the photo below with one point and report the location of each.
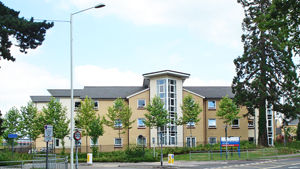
(29, 121)
(55, 114)
(2, 128)
(298, 131)
(265, 73)
(94, 130)
(227, 111)
(120, 112)
(12, 123)
(28, 34)
(190, 111)
(85, 114)
(6, 155)
(157, 115)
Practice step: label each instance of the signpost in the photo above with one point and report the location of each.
(48, 138)
(230, 142)
(77, 137)
(12, 136)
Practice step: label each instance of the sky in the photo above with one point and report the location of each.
(116, 44)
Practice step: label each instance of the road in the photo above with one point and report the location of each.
(274, 164)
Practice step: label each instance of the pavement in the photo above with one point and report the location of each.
(177, 164)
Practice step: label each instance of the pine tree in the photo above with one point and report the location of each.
(266, 74)
(28, 34)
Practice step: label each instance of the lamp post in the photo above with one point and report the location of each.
(71, 78)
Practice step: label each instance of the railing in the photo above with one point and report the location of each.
(233, 154)
(53, 163)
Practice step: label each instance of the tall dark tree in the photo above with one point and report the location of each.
(266, 75)
(283, 16)
(28, 34)
(2, 128)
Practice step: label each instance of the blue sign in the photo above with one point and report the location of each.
(231, 141)
(12, 135)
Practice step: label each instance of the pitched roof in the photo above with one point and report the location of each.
(36, 99)
(110, 92)
(211, 92)
(65, 92)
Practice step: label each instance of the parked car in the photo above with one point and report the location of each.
(44, 149)
(32, 151)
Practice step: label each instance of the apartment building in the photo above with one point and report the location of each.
(169, 86)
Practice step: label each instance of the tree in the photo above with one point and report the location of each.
(55, 114)
(227, 111)
(2, 128)
(29, 121)
(298, 131)
(283, 17)
(265, 72)
(85, 115)
(157, 117)
(190, 113)
(12, 124)
(28, 34)
(95, 129)
(119, 116)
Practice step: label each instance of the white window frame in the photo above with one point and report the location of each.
(190, 124)
(58, 142)
(251, 126)
(140, 144)
(210, 126)
(139, 125)
(141, 107)
(191, 143)
(214, 138)
(118, 145)
(235, 125)
(92, 144)
(79, 103)
(212, 107)
(97, 106)
(118, 123)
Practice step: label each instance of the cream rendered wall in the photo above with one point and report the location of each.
(153, 92)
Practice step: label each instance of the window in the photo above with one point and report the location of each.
(118, 123)
(191, 124)
(250, 124)
(56, 142)
(96, 105)
(118, 142)
(235, 123)
(92, 143)
(251, 139)
(139, 141)
(212, 123)
(140, 123)
(77, 105)
(212, 140)
(189, 143)
(141, 104)
(211, 104)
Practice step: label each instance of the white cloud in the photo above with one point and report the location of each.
(174, 59)
(199, 82)
(90, 75)
(20, 80)
(217, 21)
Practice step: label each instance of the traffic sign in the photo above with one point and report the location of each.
(48, 133)
(77, 135)
(12, 135)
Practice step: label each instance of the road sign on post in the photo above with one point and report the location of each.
(77, 135)
(48, 133)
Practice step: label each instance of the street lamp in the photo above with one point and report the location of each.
(71, 62)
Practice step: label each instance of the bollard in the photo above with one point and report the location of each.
(90, 159)
(66, 163)
(171, 159)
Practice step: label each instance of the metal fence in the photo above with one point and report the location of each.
(233, 154)
(53, 163)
